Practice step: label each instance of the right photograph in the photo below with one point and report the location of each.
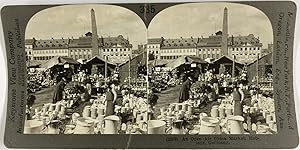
(210, 70)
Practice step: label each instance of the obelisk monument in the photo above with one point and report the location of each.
(224, 45)
(95, 47)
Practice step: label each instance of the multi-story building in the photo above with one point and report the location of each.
(47, 49)
(115, 49)
(153, 46)
(81, 48)
(174, 48)
(245, 48)
(210, 47)
(29, 43)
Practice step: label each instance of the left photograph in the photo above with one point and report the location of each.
(86, 71)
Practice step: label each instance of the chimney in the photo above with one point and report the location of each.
(224, 45)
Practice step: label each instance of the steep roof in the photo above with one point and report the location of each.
(105, 42)
(108, 42)
(211, 41)
(29, 41)
(244, 40)
(154, 41)
(179, 43)
(51, 44)
(81, 42)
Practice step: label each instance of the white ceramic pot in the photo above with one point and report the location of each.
(84, 126)
(235, 125)
(156, 127)
(209, 125)
(33, 127)
(111, 124)
(177, 127)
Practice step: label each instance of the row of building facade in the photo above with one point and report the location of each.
(118, 49)
(115, 49)
(245, 48)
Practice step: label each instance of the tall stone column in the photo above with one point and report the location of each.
(224, 46)
(95, 47)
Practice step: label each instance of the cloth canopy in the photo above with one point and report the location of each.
(98, 60)
(226, 60)
(59, 60)
(185, 60)
(159, 62)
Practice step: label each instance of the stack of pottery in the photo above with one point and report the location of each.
(50, 111)
(214, 112)
(93, 111)
(228, 111)
(263, 129)
(222, 114)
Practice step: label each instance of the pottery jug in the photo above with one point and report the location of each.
(234, 125)
(84, 126)
(214, 112)
(228, 111)
(177, 127)
(93, 112)
(53, 127)
(222, 112)
(33, 127)
(209, 125)
(156, 127)
(111, 124)
(86, 111)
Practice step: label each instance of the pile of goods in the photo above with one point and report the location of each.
(180, 118)
(37, 80)
(48, 118)
(161, 80)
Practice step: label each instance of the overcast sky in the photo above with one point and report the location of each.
(185, 20)
(204, 19)
(75, 20)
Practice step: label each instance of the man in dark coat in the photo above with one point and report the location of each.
(58, 92)
(185, 89)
